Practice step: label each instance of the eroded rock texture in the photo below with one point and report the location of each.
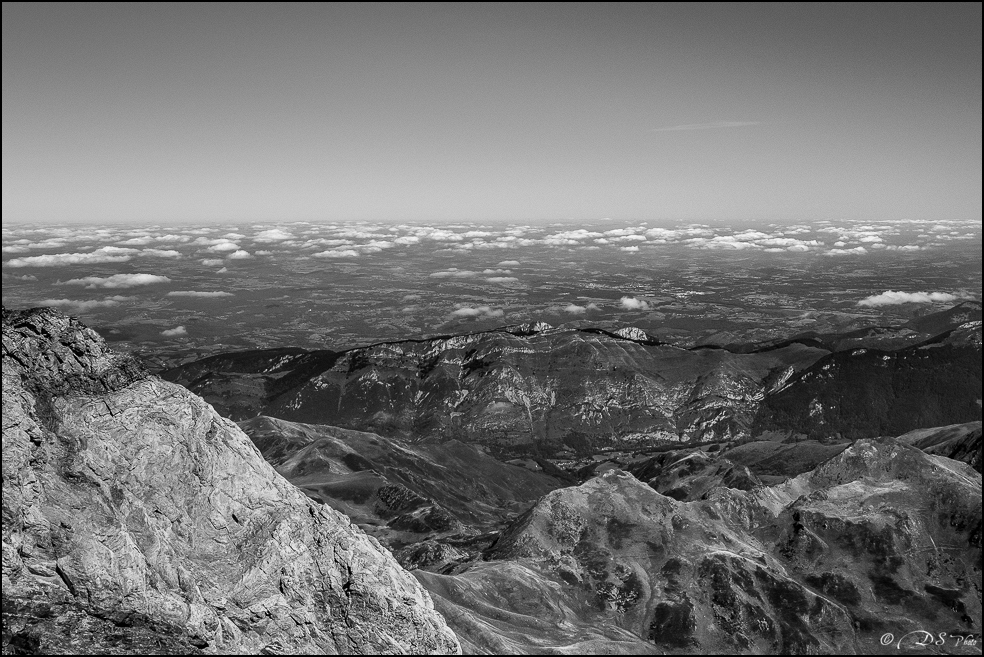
(136, 520)
(879, 538)
(531, 390)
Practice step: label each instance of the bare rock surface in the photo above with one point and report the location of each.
(880, 538)
(525, 391)
(137, 520)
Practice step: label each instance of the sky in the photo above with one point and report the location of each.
(486, 112)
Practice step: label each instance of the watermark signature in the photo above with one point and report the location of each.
(922, 639)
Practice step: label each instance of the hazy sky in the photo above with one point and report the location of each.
(488, 112)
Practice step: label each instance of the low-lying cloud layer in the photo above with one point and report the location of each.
(199, 294)
(72, 245)
(117, 281)
(891, 298)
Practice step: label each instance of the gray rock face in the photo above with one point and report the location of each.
(136, 519)
(879, 538)
(516, 392)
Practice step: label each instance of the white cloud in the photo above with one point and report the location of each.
(508, 263)
(631, 303)
(239, 255)
(103, 255)
(161, 253)
(81, 306)
(177, 331)
(223, 246)
(858, 250)
(575, 309)
(212, 262)
(338, 253)
(502, 279)
(482, 312)
(196, 293)
(117, 281)
(272, 235)
(454, 272)
(891, 298)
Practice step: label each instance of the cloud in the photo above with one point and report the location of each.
(200, 294)
(224, 246)
(892, 298)
(101, 255)
(117, 281)
(482, 312)
(508, 263)
(239, 255)
(502, 279)
(707, 126)
(212, 262)
(272, 235)
(338, 253)
(177, 331)
(575, 309)
(631, 303)
(858, 250)
(161, 253)
(82, 306)
(454, 272)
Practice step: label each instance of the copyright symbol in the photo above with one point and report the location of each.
(887, 638)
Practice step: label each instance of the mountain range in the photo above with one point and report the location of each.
(531, 490)
(535, 390)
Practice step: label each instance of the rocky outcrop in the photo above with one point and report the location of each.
(536, 391)
(879, 538)
(137, 520)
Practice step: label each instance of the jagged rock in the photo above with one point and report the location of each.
(633, 333)
(879, 538)
(522, 394)
(137, 520)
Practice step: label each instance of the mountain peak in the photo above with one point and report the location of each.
(138, 506)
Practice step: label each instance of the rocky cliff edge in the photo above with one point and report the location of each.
(136, 519)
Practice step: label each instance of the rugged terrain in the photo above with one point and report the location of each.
(520, 392)
(138, 520)
(434, 503)
(880, 538)
(539, 391)
(868, 392)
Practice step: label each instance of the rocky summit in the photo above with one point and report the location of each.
(881, 538)
(137, 520)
